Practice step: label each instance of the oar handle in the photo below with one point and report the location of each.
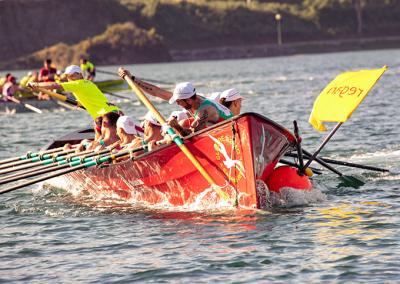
(74, 167)
(54, 167)
(29, 155)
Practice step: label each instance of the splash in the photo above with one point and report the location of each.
(383, 154)
(208, 200)
(291, 197)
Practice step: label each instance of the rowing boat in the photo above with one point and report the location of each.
(111, 85)
(51, 105)
(240, 154)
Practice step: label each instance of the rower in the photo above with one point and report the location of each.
(129, 137)
(86, 143)
(152, 131)
(32, 76)
(85, 91)
(10, 88)
(231, 99)
(204, 111)
(3, 80)
(88, 69)
(214, 96)
(46, 74)
(108, 132)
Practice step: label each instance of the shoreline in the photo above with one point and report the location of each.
(268, 50)
(292, 48)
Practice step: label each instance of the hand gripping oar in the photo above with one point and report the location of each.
(52, 167)
(74, 166)
(28, 106)
(30, 155)
(144, 79)
(32, 162)
(176, 138)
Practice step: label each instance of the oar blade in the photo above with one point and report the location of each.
(32, 108)
(350, 181)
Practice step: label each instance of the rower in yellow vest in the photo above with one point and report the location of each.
(89, 72)
(85, 91)
(30, 77)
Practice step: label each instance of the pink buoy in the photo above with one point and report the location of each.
(287, 176)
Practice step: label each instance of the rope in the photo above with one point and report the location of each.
(234, 156)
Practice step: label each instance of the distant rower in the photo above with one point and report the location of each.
(89, 72)
(85, 91)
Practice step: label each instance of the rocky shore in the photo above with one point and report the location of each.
(269, 50)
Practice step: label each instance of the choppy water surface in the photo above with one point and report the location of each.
(350, 235)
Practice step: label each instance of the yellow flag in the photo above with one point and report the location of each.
(341, 97)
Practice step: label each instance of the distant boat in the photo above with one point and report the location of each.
(51, 105)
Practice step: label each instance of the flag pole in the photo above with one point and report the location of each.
(326, 140)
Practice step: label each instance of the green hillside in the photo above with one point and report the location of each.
(152, 29)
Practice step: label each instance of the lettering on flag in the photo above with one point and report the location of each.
(342, 96)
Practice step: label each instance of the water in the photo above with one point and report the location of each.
(352, 235)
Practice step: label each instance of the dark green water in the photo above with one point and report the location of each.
(352, 235)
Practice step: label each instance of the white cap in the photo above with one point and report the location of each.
(231, 95)
(214, 96)
(179, 114)
(182, 91)
(72, 69)
(127, 124)
(150, 118)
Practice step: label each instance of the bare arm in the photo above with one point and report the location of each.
(146, 87)
(182, 131)
(201, 121)
(45, 85)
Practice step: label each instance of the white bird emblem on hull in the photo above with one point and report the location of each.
(229, 163)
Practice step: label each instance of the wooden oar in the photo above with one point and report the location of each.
(38, 158)
(59, 97)
(144, 79)
(28, 106)
(115, 95)
(285, 162)
(176, 138)
(56, 161)
(67, 106)
(38, 161)
(54, 166)
(30, 155)
(74, 166)
(353, 181)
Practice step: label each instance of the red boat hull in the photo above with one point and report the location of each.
(236, 153)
